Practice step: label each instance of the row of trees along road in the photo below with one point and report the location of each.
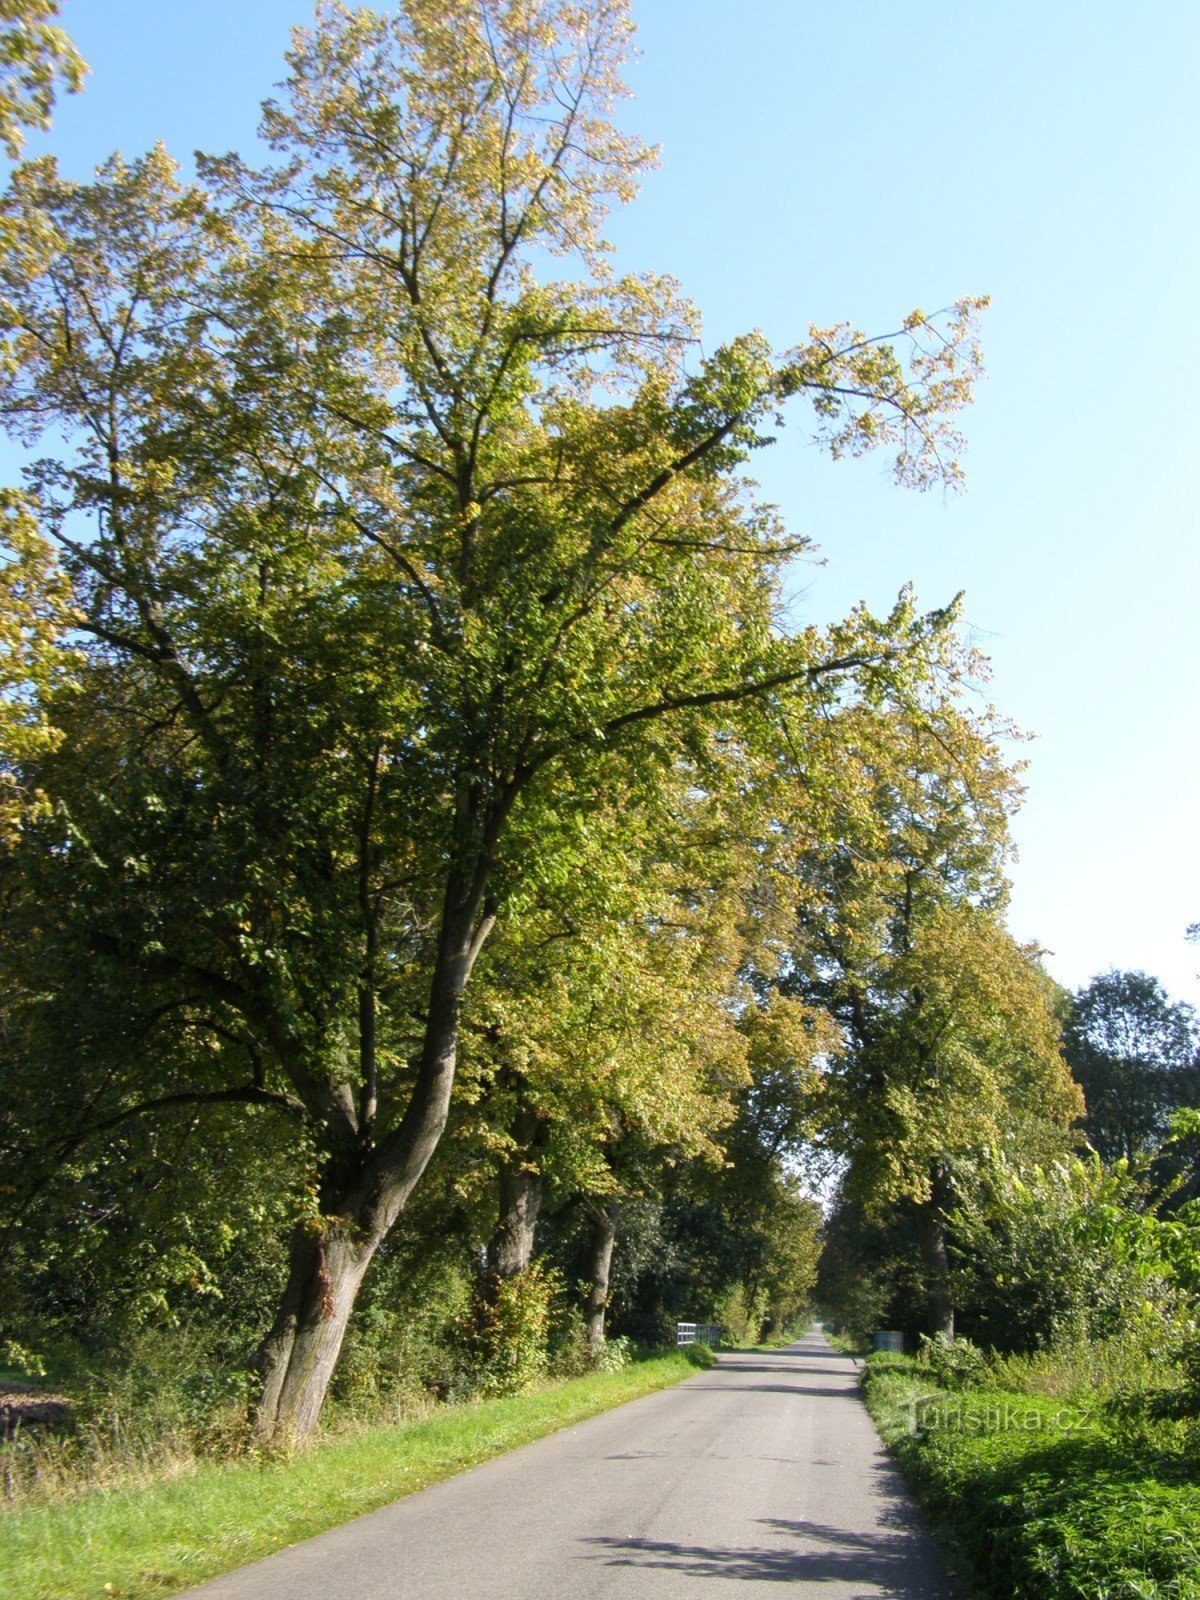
(402, 724)
(950, 1028)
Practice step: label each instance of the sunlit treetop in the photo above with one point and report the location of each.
(36, 59)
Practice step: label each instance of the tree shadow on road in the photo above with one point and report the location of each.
(889, 1561)
(726, 1365)
(802, 1361)
(774, 1388)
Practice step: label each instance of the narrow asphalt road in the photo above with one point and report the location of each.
(764, 1470)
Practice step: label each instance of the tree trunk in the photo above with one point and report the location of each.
(511, 1247)
(327, 1264)
(931, 1232)
(325, 1271)
(600, 1249)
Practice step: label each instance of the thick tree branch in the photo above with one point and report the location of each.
(247, 1094)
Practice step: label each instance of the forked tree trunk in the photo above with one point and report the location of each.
(600, 1249)
(328, 1262)
(931, 1233)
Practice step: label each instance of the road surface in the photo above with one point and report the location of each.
(764, 1470)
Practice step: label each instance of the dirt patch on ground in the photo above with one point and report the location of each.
(22, 1406)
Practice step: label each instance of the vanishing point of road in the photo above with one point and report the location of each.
(764, 1470)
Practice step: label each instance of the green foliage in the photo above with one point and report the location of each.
(1174, 1172)
(509, 1338)
(1068, 1469)
(36, 59)
(25, 1363)
(35, 664)
(571, 1354)
(168, 1402)
(151, 1229)
(1063, 1253)
(961, 1049)
(733, 1240)
(882, 1363)
(949, 1028)
(1032, 1499)
(739, 1318)
(856, 1307)
(869, 1275)
(1129, 1368)
(952, 1363)
(614, 1354)
(735, 1244)
(168, 1392)
(404, 1347)
(699, 1355)
(401, 592)
(1133, 1051)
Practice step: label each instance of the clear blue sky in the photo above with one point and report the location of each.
(826, 160)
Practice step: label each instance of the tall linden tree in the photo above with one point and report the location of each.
(395, 521)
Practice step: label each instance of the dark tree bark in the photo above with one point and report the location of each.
(600, 1249)
(520, 1201)
(298, 1356)
(931, 1232)
(366, 1189)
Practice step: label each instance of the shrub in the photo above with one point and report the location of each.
(570, 1355)
(1059, 1255)
(1044, 1513)
(613, 1355)
(952, 1363)
(880, 1362)
(404, 1348)
(510, 1340)
(699, 1355)
(1091, 1374)
(1035, 1498)
(168, 1403)
(740, 1316)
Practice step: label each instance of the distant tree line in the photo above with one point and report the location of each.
(1013, 1253)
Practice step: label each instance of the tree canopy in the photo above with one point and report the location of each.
(1134, 1053)
(380, 548)
(36, 59)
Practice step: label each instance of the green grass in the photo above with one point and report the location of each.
(845, 1345)
(1034, 1499)
(125, 1544)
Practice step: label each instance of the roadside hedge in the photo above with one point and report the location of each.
(1035, 1500)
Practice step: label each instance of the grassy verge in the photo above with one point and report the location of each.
(1036, 1499)
(845, 1345)
(126, 1544)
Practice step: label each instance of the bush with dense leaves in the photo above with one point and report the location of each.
(510, 1339)
(953, 1363)
(1062, 1253)
(1036, 1498)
